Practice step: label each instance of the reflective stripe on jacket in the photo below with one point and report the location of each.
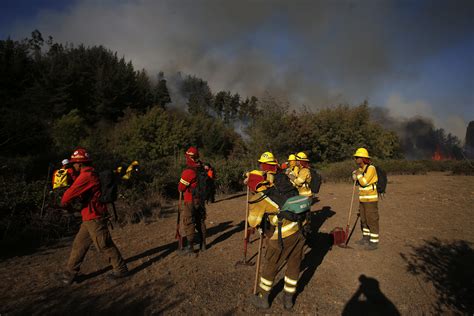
(368, 184)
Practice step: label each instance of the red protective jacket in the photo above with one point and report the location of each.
(87, 188)
(188, 180)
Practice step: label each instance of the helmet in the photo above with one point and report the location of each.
(192, 152)
(301, 156)
(256, 179)
(291, 157)
(268, 158)
(362, 152)
(80, 155)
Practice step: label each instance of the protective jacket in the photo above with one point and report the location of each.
(258, 206)
(87, 188)
(188, 180)
(302, 181)
(367, 179)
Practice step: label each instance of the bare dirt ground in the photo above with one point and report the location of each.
(424, 264)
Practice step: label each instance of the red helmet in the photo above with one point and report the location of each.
(192, 152)
(80, 155)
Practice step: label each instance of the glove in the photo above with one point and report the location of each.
(354, 175)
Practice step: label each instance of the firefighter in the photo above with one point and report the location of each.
(366, 177)
(94, 228)
(302, 179)
(263, 214)
(194, 211)
(269, 165)
(292, 168)
(211, 176)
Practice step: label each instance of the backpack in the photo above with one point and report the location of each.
(295, 209)
(108, 186)
(282, 190)
(201, 191)
(60, 179)
(381, 179)
(316, 181)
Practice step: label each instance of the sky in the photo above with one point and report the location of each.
(413, 57)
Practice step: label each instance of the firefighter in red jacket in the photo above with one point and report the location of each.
(94, 228)
(194, 211)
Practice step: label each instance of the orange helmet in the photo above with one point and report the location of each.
(80, 155)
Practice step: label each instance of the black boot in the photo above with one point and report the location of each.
(260, 300)
(118, 275)
(67, 277)
(288, 301)
(363, 241)
(372, 246)
(188, 250)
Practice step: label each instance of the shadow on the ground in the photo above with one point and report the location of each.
(448, 265)
(163, 251)
(237, 228)
(234, 196)
(83, 300)
(319, 245)
(369, 300)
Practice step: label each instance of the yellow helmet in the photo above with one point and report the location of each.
(267, 157)
(362, 152)
(292, 157)
(301, 156)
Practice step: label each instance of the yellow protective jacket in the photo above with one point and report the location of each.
(266, 205)
(367, 184)
(302, 181)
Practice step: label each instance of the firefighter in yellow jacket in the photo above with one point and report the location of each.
(366, 177)
(263, 213)
(292, 168)
(303, 177)
(269, 165)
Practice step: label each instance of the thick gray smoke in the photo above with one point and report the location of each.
(316, 53)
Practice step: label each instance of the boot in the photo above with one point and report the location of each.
(188, 250)
(67, 277)
(363, 241)
(288, 301)
(260, 300)
(116, 276)
(372, 246)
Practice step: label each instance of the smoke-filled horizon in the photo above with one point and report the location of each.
(411, 57)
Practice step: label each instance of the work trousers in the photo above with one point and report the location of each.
(94, 231)
(275, 257)
(194, 218)
(369, 220)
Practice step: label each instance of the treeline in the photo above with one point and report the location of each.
(55, 97)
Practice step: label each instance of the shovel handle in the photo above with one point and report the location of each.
(257, 270)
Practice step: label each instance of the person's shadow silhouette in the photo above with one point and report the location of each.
(369, 300)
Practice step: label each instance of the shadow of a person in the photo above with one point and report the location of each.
(369, 300)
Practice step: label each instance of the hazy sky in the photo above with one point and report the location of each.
(414, 57)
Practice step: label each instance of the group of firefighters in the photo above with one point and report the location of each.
(282, 246)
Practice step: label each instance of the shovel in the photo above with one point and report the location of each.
(341, 235)
(246, 235)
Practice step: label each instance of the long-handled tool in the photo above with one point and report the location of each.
(339, 234)
(352, 230)
(246, 233)
(259, 257)
(178, 235)
(44, 190)
(350, 213)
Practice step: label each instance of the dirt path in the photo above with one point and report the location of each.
(424, 263)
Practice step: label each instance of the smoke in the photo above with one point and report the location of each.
(316, 53)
